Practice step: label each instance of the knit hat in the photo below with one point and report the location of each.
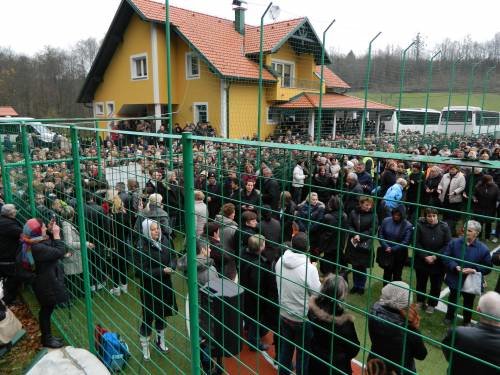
(32, 228)
(299, 242)
(396, 295)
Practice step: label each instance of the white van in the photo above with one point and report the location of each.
(42, 136)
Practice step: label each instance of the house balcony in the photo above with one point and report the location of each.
(284, 91)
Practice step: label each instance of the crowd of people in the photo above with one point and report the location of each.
(299, 232)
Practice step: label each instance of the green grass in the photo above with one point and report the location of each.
(437, 100)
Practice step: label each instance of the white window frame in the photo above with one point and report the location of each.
(270, 121)
(292, 70)
(188, 61)
(195, 121)
(133, 71)
(98, 105)
(108, 112)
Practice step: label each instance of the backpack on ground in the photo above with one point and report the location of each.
(115, 351)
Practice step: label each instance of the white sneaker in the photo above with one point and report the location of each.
(124, 288)
(100, 286)
(145, 348)
(115, 291)
(429, 310)
(92, 288)
(494, 239)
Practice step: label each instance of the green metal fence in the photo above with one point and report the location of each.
(99, 183)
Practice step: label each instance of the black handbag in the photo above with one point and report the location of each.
(384, 259)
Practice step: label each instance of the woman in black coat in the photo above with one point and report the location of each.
(155, 265)
(359, 247)
(287, 212)
(385, 325)
(485, 198)
(332, 238)
(41, 254)
(334, 338)
(432, 237)
(430, 195)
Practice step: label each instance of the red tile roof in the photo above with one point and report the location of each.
(331, 79)
(215, 38)
(7, 111)
(273, 34)
(332, 101)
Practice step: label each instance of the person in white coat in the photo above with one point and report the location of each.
(298, 181)
(297, 279)
(450, 191)
(201, 211)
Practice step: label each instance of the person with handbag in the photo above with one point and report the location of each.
(432, 237)
(395, 234)
(359, 247)
(42, 250)
(459, 264)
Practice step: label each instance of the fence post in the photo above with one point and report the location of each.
(98, 149)
(450, 91)
(83, 236)
(429, 87)
(5, 175)
(189, 215)
(401, 85)
(367, 80)
(321, 80)
(469, 91)
(29, 170)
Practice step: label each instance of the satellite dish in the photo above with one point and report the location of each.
(274, 12)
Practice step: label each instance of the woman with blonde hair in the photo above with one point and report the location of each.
(200, 210)
(118, 245)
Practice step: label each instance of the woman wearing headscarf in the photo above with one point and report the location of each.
(155, 263)
(386, 325)
(42, 248)
(334, 338)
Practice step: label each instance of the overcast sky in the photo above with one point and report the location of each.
(28, 25)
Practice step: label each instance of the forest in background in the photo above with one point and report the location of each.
(47, 84)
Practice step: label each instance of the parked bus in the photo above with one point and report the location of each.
(413, 119)
(472, 120)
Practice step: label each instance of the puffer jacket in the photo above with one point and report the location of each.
(400, 233)
(431, 238)
(49, 280)
(334, 340)
(306, 212)
(457, 187)
(388, 340)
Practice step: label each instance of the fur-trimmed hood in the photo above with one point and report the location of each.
(325, 316)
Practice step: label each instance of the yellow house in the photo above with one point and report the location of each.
(215, 68)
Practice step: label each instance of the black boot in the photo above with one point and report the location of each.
(52, 342)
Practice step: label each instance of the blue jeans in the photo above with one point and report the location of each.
(293, 336)
(359, 279)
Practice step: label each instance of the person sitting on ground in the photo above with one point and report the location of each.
(481, 341)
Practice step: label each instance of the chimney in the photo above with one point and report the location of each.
(239, 7)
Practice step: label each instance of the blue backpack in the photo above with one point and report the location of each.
(114, 351)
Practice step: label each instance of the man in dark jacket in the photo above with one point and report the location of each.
(214, 195)
(249, 227)
(354, 190)
(270, 228)
(261, 292)
(10, 230)
(364, 178)
(481, 341)
(270, 190)
(154, 185)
